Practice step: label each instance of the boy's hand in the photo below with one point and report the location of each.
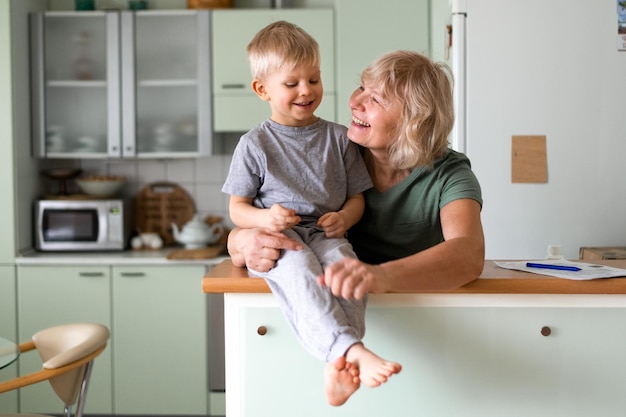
(333, 224)
(281, 218)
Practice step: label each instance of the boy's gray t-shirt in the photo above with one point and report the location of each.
(311, 169)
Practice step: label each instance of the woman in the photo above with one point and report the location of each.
(421, 230)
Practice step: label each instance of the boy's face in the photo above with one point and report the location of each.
(294, 93)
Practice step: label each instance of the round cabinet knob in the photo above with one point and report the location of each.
(545, 331)
(261, 331)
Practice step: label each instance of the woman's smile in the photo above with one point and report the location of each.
(359, 122)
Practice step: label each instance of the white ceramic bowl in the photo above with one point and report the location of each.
(101, 185)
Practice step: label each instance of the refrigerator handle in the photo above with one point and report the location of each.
(458, 63)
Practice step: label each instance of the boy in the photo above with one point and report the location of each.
(300, 175)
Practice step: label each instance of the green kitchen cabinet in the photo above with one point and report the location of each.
(235, 106)
(367, 29)
(543, 356)
(160, 340)
(8, 305)
(120, 84)
(8, 329)
(51, 295)
(156, 360)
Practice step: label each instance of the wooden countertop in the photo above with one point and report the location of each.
(226, 278)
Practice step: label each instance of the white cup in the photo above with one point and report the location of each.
(555, 252)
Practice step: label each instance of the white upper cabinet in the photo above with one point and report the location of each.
(236, 107)
(121, 84)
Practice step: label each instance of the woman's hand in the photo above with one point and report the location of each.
(258, 249)
(350, 278)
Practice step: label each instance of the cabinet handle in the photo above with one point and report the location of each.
(233, 86)
(90, 274)
(133, 274)
(261, 331)
(545, 331)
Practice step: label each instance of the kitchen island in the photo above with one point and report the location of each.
(508, 344)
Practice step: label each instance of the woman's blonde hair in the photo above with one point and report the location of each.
(281, 43)
(424, 90)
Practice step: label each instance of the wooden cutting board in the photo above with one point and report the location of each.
(159, 205)
(200, 253)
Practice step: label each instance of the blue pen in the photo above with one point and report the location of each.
(557, 267)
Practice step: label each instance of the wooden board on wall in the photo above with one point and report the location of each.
(529, 162)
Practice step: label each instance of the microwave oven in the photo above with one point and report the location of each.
(81, 225)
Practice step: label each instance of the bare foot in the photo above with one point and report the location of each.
(373, 370)
(341, 380)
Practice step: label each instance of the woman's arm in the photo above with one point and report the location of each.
(449, 265)
(458, 260)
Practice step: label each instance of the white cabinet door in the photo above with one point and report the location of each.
(457, 361)
(160, 343)
(235, 106)
(53, 295)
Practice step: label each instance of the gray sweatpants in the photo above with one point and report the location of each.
(325, 325)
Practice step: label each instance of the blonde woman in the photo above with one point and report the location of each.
(421, 229)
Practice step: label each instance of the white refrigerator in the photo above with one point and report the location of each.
(553, 69)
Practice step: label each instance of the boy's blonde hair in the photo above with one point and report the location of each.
(281, 43)
(424, 90)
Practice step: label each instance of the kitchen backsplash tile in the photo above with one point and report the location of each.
(151, 170)
(202, 178)
(211, 199)
(180, 171)
(212, 168)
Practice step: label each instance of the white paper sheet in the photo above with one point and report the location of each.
(587, 271)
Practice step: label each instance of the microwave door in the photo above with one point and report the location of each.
(71, 225)
(70, 228)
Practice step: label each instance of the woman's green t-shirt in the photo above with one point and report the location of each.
(405, 219)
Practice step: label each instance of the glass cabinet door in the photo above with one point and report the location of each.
(121, 84)
(75, 82)
(165, 64)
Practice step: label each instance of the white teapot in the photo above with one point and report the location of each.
(197, 234)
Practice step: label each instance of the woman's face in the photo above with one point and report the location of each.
(374, 118)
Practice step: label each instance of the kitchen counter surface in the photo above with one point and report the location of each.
(129, 257)
(226, 278)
